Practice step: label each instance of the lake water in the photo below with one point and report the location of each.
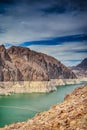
(20, 107)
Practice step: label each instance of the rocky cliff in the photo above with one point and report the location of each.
(22, 64)
(81, 69)
(69, 115)
(83, 64)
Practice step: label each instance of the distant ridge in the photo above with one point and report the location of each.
(83, 64)
(81, 69)
(22, 64)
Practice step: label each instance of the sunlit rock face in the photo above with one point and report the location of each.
(8, 71)
(22, 64)
(3, 53)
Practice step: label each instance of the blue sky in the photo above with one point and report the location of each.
(55, 27)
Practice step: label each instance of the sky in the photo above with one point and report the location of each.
(55, 27)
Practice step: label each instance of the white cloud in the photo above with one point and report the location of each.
(22, 23)
(64, 53)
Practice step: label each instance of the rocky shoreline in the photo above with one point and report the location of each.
(69, 115)
(8, 88)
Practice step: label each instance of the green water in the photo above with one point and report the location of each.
(20, 107)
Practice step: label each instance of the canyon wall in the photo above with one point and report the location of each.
(22, 64)
(8, 88)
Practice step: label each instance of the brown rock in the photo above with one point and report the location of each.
(30, 65)
(51, 121)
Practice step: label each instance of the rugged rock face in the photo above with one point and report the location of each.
(8, 71)
(21, 64)
(3, 54)
(83, 64)
(69, 115)
(81, 69)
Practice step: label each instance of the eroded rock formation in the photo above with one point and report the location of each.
(22, 64)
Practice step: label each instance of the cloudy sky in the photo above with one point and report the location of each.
(54, 27)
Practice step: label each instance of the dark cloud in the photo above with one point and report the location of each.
(53, 5)
(2, 10)
(7, 1)
(55, 25)
(5, 5)
(59, 40)
(24, 20)
(61, 6)
(80, 51)
(46, 6)
(18, 1)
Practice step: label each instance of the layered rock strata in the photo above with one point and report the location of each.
(8, 88)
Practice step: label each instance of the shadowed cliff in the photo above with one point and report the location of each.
(81, 69)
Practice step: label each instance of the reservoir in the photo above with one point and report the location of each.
(21, 107)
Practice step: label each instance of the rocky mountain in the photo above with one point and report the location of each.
(22, 64)
(81, 69)
(83, 64)
(68, 115)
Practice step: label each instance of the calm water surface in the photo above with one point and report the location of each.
(20, 107)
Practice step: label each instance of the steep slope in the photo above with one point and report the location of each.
(69, 115)
(81, 69)
(83, 64)
(8, 71)
(22, 64)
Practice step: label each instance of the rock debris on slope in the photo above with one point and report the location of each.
(69, 115)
